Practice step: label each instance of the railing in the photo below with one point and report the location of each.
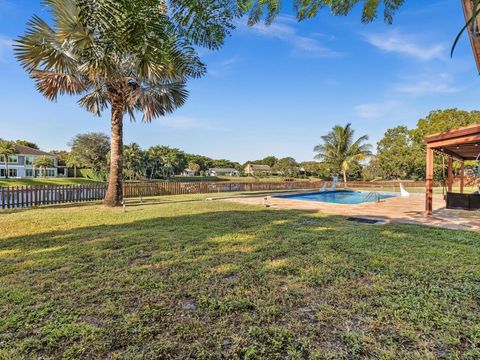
(28, 196)
(372, 195)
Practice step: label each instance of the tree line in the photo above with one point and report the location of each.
(401, 153)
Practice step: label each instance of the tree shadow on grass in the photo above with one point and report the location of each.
(239, 283)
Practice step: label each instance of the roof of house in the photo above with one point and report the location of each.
(259, 167)
(222, 169)
(25, 150)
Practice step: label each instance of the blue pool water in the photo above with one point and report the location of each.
(340, 196)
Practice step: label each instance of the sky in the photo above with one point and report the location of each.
(274, 90)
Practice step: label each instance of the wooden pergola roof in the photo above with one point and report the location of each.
(474, 39)
(462, 143)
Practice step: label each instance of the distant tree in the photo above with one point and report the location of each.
(194, 166)
(318, 169)
(286, 166)
(92, 150)
(61, 155)
(7, 148)
(444, 120)
(133, 156)
(43, 162)
(340, 149)
(203, 161)
(394, 153)
(223, 163)
(27, 143)
(371, 171)
(72, 161)
(269, 160)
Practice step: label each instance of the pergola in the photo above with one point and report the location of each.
(459, 144)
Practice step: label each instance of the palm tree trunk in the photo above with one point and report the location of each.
(344, 179)
(114, 196)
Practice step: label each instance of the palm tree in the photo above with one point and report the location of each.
(7, 148)
(341, 150)
(72, 161)
(43, 162)
(133, 159)
(131, 56)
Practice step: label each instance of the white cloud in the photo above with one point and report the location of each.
(436, 84)
(376, 110)
(409, 45)
(5, 48)
(182, 123)
(284, 29)
(223, 67)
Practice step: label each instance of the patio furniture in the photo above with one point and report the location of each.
(403, 191)
(463, 201)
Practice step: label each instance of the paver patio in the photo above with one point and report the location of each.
(393, 210)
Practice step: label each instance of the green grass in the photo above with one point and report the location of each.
(184, 278)
(45, 181)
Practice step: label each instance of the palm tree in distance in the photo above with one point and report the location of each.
(130, 56)
(7, 148)
(43, 162)
(133, 155)
(341, 150)
(73, 162)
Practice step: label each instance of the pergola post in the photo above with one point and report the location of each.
(450, 174)
(429, 182)
(462, 176)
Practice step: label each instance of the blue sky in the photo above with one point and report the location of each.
(275, 90)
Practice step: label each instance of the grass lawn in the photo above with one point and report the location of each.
(185, 278)
(45, 181)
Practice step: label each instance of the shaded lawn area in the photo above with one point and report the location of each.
(46, 181)
(206, 279)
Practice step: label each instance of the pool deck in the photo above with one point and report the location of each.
(392, 210)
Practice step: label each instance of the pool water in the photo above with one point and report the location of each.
(340, 196)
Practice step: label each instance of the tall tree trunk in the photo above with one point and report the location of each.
(114, 196)
(344, 179)
(74, 171)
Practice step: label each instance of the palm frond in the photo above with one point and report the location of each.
(50, 84)
(157, 100)
(95, 101)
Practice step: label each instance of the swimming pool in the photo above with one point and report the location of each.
(340, 196)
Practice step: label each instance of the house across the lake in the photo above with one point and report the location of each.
(257, 170)
(222, 172)
(189, 172)
(21, 165)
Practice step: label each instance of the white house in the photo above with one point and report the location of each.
(189, 172)
(21, 165)
(222, 172)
